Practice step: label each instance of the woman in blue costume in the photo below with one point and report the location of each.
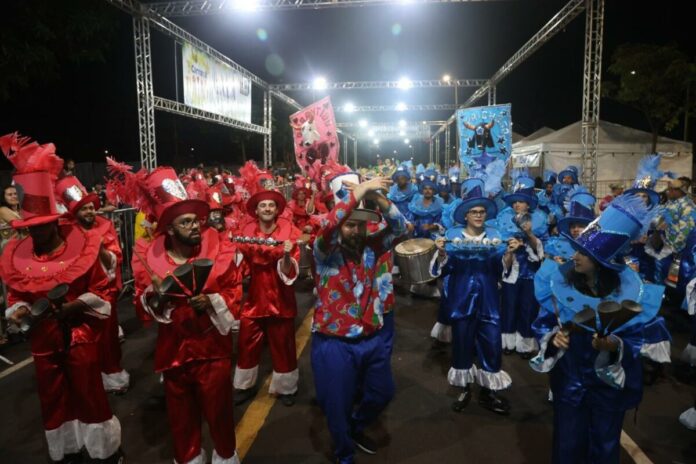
(657, 343)
(444, 189)
(519, 308)
(402, 192)
(425, 208)
(567, 179)
(470, 259)
(580, 213)
(545, 195)
(595, 376)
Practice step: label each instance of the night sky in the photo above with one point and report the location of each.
(92, 108)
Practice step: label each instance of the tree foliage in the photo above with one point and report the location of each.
(652, 79)
(40, 37)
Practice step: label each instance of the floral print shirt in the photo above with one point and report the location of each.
(679, 216)
(352, 296)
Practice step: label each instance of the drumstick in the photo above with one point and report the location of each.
(147, 267)
(5, 360)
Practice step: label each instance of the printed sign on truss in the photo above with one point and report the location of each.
(485, 135)
(526, 160)
(211, 85)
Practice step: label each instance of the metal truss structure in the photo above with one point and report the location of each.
(208, 7)
(397, 108)
(380, 85)
(153, 15)
(591, 91)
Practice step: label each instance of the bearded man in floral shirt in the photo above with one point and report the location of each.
(348, 353)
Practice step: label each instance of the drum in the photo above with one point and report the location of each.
(306, 259)
(673, 274)
(413, 258)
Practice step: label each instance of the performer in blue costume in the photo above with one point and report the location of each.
(656, 346)
(453, 174)
(580, 213)
(402, 192)
(425, 208)
(545, 195)
(444, 189)
(595, 374)
(471, 258)
(523, 227)
(567, 179)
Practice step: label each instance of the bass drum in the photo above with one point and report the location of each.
(413, 258)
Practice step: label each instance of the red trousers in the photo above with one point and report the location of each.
(280, 333)
(70, 386)
(196, 389)
(109, 343)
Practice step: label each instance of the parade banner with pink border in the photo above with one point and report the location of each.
(315, 137)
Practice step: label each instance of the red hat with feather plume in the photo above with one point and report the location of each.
(37, 167)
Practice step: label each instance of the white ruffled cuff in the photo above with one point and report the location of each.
(63, 440)
(691, 297)
(220, 316)
(163, 318)
(509, 341)
(664, 252)
(535, 255)
(493, 380)
(287, 280)
(110, 270)
(461, 377)
(540, 363)
(658, 352)
(525, 344)
(245, 378)
(688, 418)
(116, 381)
(103, 439)
(436, 264)
(442, 332)
(13, 309)
(513, 272)
(284, 383)
(98, 307)
(611, 374)
(689, 355)
(233, 460)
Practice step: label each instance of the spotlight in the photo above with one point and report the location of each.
(320, 83)
(407, 141)
(405, 83)
(376, 141)
(246, 5)
(402, 123)
(349, 107)
(446, 78)
(370, 133)
(362, 123)
(402, 133)
(401, 106)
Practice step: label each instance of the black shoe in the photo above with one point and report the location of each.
(438, 345)
(73, 458)
(364, 444)
(116, 458)
(651, 371)
(494, 402)
(508, 351)
(287, 400)
(462, 400)
(242, 396)
(527, 355)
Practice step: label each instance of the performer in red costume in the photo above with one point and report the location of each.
(194, 343)
(74, 406)
(302, 205)
(82, 211)
(270, 309)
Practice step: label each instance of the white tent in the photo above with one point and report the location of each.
(619, 150)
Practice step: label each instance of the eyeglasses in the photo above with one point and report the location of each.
(188, 223)
(477, 212)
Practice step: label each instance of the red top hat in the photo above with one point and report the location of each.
(169, 199)
(74, 195)
(37, 168)
(262, 196)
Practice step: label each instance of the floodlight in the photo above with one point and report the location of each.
(320, 83)
(246, 5)
(362, 123)
(370, 133)
(446, 78)
(376, 141)
(401, 106)
(349, 107)
(407, 141)
(402, 123)
(405, 83)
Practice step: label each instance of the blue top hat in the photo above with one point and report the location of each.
(549, 177)
(443, 184)
(428, 179)
(571, 171)
(402, 170)
(523, 190)
(647, 176)
(607, 238)
(577, 214)
(474, 194)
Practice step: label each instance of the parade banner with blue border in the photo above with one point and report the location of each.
(485, 135)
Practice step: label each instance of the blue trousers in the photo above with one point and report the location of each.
(586, 434)
(519, 308)
(387, 332)
(482, 333)
(341, 367)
